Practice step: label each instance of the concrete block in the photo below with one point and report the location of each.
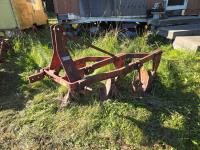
(178, 20)
(171, 32)
(191, 43)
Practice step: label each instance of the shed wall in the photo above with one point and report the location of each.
(49, 6)
(66, 6)
(108, 8)
(101, 8)
(192, 8)
(130, 7)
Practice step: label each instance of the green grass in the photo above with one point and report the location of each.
(31, 117)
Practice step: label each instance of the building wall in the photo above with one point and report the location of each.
(49, 5)
(193, 6)
(101, 8)
(130, 7)
(96, 8)
(66, 6)
(111, 7)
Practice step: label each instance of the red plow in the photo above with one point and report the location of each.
(79, 76)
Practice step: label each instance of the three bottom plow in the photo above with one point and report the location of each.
(78, 76)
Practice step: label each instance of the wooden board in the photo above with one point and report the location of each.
(28, 13)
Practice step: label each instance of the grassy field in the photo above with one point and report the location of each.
(31, 117)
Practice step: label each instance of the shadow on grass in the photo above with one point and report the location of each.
(168, 100)
(15, 90)
(156, 41)
(11, 96)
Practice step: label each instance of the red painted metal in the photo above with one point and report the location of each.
(78, 76)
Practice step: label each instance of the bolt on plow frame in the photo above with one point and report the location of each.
(79, 76)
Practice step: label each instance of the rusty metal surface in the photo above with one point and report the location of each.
(141, 82)
(110, 89)
(66, 6)
(78, 76)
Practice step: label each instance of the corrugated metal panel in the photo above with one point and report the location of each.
(101, 8)
(106, 8)
(49, 6)
(7, 18)
(91, 8)
(130, 7)
(109, 8)
(84, 7)
(66, 6)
